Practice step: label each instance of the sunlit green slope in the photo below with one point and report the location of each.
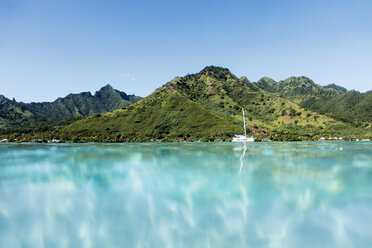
(207, 106)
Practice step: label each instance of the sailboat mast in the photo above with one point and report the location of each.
(245, 130)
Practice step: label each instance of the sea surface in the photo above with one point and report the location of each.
(315, 194)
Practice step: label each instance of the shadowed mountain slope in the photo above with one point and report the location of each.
(353, 107)
(19, 114)
(331, 100)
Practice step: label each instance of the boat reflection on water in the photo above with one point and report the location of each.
(243, 149)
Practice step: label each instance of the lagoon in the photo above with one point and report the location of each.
(295, 194)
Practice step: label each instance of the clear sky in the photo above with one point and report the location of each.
(51, 48)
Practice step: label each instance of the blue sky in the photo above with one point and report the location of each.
(51, 48)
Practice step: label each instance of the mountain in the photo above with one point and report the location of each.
(338, 88)
(207, 106)
(19, 114)
(331, 100)
(299, 88)
(204, 106)
(353, 107)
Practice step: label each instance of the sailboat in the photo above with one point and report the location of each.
(243, 137)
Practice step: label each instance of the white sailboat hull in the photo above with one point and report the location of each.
(243, 139)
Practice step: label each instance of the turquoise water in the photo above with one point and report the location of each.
(186, 195)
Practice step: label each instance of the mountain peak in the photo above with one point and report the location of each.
(216, 72)
(106, 92)
(266, 80)
(106, 87)
(297, 80)
(336, 87)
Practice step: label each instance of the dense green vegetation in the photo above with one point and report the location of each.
(17, 114)
(299, 88)
(352, 107)
(206, 106)
(332, 100)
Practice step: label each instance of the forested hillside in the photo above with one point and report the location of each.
(332, 100)
(206, 106)
(18, 114)
(353, 107)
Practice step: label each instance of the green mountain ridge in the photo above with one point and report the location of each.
(331, 100)
(206, 106)
(298, 88)
(353, 107)
(19, 114)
